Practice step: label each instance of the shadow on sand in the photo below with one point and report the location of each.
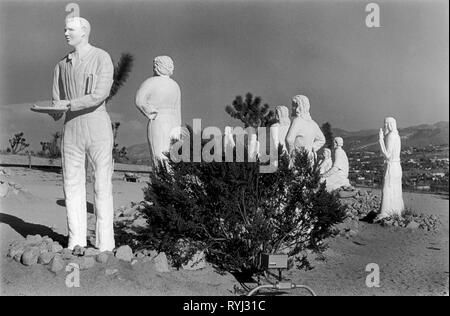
(25, 228)
(89, 205)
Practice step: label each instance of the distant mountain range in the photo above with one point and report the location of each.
(415, 136)
(367, 140)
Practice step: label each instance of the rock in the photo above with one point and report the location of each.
(197, 262)
(87, 263)
(47, 240)
(161, 264)
(46, 258)
(16, 250)
(34, 239)
(111, 271)
(78, 251)
(124, 253)
(129, 212)
(140, 222)
(43, 247)
(91, 252)
(66, 254)
(134, 261)
(102, 257)
(57, 263)
(412, 225)
(55, 247)
(30, 256)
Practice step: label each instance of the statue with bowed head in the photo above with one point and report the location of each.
(390, 144)
(279, 130)
(304, 133)
(337, 176)
(159, 99)
(326, 163)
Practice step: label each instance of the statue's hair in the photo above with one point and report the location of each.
(83, 23)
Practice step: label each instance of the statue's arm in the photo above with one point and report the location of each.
(56, 93)
(105, 73)
(55, 90)
(319, 140)
(141, 101)
(291, 135)
(383, 145)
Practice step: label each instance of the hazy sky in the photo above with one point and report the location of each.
(353, 75)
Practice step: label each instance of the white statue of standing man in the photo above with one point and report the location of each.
(82, 81)
(159, 99)
(390, 144)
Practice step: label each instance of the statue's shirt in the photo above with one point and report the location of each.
(86, 81)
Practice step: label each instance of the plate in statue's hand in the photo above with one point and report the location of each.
(48, 109)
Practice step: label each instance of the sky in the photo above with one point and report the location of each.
(353, 75)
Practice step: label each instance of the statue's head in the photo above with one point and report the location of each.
(77, 31)
(390, 125)
(338, 142)
(326, 153)
(282, 115)
(300, 107)
(163, 66)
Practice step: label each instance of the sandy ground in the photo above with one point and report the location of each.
(411, 262)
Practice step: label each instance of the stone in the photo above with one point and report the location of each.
(66, 254)
(16, 250)
(87, 263)
(78, 251)
(161, 263)
(46, 257)
(197, 262)
(91, 252)
(124, 253)
(57, 263)
(140, 222)
(102, 257)
(412, 225)
(34, 239)
(134, 261)
(55, 247)
(30, 256)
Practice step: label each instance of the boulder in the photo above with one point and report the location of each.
(412, 225)
(161, 263)
(57, 263)
(55, 247)
(91, 252)
(30, 256)
(46, 257)
(124, 253)
(78, 251)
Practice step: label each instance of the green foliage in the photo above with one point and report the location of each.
(17, 144)
(235, 213)
(327, 132)
(119, 155)
(121, 72)
(251, 111)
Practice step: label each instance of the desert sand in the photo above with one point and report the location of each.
(412, 262)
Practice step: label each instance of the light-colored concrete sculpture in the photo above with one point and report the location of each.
(159, 99)
(279, 130)
(228, 140)
(304, 133)
(326, 163)
(337, 176)
(390, 143)
(82, 81)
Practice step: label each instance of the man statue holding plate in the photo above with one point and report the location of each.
(81, 83)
